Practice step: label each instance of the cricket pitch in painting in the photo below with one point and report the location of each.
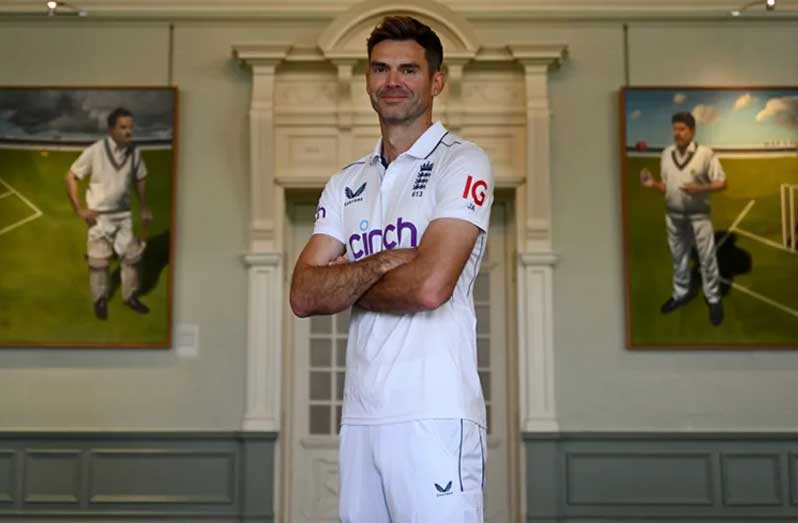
(86, 216)
(710, 217)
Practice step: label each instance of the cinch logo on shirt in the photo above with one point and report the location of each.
(476, 190)
(321, 212)
(362, 244)
(352, 197)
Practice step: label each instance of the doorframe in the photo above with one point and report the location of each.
(507, 196)
(284, 472)
(514, 440)
(521, 126)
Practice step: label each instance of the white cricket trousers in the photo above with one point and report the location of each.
(423, 471)
(684, 231)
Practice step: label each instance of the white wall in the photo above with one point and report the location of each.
(599, 384)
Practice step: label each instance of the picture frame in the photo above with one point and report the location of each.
(58, 140)
(752, 132)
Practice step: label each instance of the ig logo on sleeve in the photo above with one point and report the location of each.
(475, 190)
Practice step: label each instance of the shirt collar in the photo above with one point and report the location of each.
(422, 147)
(690, 149)
(115, 147)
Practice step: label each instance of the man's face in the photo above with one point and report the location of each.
(682, 135)
(398, 81)
(122, 132)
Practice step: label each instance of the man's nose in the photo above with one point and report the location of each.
(393, 77)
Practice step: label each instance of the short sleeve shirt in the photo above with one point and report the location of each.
(403, 367)
(698, 164)
(112, 171)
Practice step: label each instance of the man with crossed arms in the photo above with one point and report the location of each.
(399, 237)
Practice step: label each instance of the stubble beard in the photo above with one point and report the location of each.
(404, 116)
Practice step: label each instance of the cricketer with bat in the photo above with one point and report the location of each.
(113, 165)
(689, 173)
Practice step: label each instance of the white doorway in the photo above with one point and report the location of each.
(313, 374)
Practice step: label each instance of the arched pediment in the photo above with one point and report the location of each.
(345, 37)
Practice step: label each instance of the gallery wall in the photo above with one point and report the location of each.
(599, 384)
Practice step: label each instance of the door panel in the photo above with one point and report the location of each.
(317, 358)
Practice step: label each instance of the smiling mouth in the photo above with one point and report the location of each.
(388, 95)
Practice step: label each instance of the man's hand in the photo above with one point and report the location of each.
(339, 260)
(88, 215)
(648, 181)
(646, 178)
(146, 215)
(694, 188)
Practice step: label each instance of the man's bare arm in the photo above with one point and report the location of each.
(141, 191)
(320, 286)
(87, 215)
(697, 188)
(428, 281)
(648, 181)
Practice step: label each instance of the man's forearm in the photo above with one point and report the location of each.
(333, 288)
(141, 191)
(72, 192)
(428, 281)
(403, 290)
(696, 188)
(390, 294)
(716, 186)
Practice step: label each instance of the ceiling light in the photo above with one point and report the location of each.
(770, 5)
(60, 7)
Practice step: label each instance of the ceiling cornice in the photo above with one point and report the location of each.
(472, 9)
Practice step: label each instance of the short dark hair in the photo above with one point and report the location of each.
(408, 28)
(116, 114)
(685, 118)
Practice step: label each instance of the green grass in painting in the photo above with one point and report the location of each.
(752, 264)
(45, 286)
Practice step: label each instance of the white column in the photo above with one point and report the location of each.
(345, 106)
(264, 342)
(536, 343)
(264, 261)
(536, 259)
(453, 115)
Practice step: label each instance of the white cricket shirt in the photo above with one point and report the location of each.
(113, 171)
(402, 367)
(698, 164)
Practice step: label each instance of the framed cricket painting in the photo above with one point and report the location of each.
(710, 217)
(87, 192)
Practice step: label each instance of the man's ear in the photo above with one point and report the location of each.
(438, 83)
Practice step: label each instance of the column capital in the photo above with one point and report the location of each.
(547, 57)
(261, 54)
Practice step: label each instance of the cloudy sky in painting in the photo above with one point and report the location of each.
(79, 115)
(724, 118)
